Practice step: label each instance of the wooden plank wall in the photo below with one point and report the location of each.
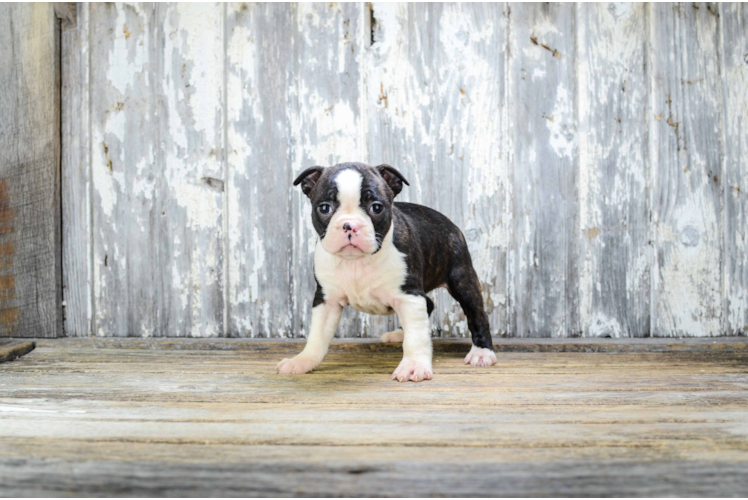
(733, 29)
(77, 268)
(688, 146)
(595, 156)
(30, 234)
(614, 165)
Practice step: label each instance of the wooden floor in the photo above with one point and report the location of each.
(187, 418)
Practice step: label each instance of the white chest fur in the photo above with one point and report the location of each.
(370, 284)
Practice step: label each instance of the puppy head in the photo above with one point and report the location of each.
(351, 205)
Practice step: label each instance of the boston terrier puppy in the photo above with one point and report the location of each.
(382, 257)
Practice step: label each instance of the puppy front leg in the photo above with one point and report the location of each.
(417, 351)
(325, 318)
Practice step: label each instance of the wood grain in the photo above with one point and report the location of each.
(294, 101)
(593, 155)
(734, 27)
(30, 233)
(156, 149)
(260, 93)
(193, 166)
(436, 98)
(544, 162)
(137, 420)
(14, 349)
(108, 43)
(77, 232)
(687, 138)
(614, 168)
(126, 223)
(328, 129)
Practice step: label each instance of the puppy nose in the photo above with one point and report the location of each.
(350, 226)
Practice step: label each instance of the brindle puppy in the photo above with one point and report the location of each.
(382, 257)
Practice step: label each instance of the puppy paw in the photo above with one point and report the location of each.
(394, 336)
(480, 356)
(296, 365)
(412, 369)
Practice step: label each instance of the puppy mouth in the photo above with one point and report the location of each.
(349, 247)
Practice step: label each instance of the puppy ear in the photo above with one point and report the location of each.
(308, 178)
(393, 178)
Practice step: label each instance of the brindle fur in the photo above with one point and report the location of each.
(436, 253)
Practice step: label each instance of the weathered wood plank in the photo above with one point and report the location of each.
(349, 475)
(734, 28)
(294, 101)
(66, 12)
(156, 146)
(192, 121)
(399, 101)
(124, 134)
(274, 348)
(328, 129)
(14, 349)
(174, 422)
(614, 251)
(543, 157)
(30, 233)
(435, 96)
(261, 147)
(687, 148)
(201, 116)
(77, 279)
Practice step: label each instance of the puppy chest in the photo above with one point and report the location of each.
(370, 302)
(369, 284)
(371, 292)
(369, 297)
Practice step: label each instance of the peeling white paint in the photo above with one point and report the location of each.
(604, 326)
(392, 81)
(241, 55)
(432, 97)
(103, 180)
(335, 125)
(485, 250)
(143, 186)
(127, 58)
(687, 298)
(561, 125)
(201, 29)
(201, 204)
(258, 263)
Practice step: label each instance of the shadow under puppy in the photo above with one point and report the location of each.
(382, 257)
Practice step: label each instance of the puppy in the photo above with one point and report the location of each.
(382, 257)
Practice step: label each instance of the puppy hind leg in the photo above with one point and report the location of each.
(465, 288)
(393, 336)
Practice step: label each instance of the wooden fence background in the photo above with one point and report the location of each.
(30, 239)
(595, 156)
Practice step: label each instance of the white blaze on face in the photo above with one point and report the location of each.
(349, 190)
(360, 239)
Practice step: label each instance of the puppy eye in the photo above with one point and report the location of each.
(324, 209)
(377, 208)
